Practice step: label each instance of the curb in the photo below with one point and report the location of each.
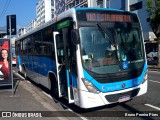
(154, 69)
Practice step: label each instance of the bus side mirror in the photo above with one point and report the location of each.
(74, 37)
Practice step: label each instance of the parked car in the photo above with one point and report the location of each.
(14, 60)
(14, 57)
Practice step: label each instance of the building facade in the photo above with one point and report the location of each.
(44, 11)
(3, 33)
(141, 12)
(62, 5)
(21, 31)
(48, 9)
(31, 25)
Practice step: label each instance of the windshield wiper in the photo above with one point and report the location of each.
(107, 34)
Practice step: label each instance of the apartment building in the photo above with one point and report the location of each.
(31, 25)
(3, 33)
(48, 9)
(44, 11)
(130, 5)
(21, 31)
(62, 5)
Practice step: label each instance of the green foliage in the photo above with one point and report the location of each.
(153, 9)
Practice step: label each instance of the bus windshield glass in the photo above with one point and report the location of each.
(111, 47)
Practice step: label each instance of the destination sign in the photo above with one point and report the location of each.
(107, 17)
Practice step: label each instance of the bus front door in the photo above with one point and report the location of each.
(63, 75)
(59, 59)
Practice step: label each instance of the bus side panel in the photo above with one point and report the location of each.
(46, 65)
(32, 72)
(38, 67)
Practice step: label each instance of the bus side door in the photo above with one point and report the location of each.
(63, 75)
(58, 46)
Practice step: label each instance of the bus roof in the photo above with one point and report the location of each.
(101, 9)
(69, 13)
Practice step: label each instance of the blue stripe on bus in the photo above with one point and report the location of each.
(19, 60)
(74, 81)
(109, 87)
(67, 75)
(39, 65)
(42, 65)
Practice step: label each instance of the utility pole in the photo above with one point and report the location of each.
(11, 30)
(10, 46)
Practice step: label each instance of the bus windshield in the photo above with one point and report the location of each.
(108, 52)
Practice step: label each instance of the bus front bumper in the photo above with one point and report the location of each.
(90, 100)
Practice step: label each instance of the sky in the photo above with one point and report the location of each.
(25, 11)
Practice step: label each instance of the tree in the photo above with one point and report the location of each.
(153, 9)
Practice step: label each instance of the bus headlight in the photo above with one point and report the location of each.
(90, 87)
(145, 77)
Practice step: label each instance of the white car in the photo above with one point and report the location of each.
(14, 60)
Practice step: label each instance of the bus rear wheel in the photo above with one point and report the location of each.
(24, 72)
(54, 85)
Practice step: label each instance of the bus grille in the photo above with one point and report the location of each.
(119, 76)
(115, 97)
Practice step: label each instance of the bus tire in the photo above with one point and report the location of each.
(24, 72)
(54, 84)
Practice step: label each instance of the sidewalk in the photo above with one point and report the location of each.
(27, 99)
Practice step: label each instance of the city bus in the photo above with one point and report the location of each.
(89, 56)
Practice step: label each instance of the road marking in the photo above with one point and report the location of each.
(149, 105)
(153, 71)
(154, 81)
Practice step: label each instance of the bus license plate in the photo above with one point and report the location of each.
(123, 99)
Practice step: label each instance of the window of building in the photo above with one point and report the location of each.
(76, 2)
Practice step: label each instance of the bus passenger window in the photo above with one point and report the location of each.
(37, 43)
(47, 41)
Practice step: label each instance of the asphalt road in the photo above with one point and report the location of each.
(39, 99)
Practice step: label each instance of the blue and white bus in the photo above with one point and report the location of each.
(90, 56)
